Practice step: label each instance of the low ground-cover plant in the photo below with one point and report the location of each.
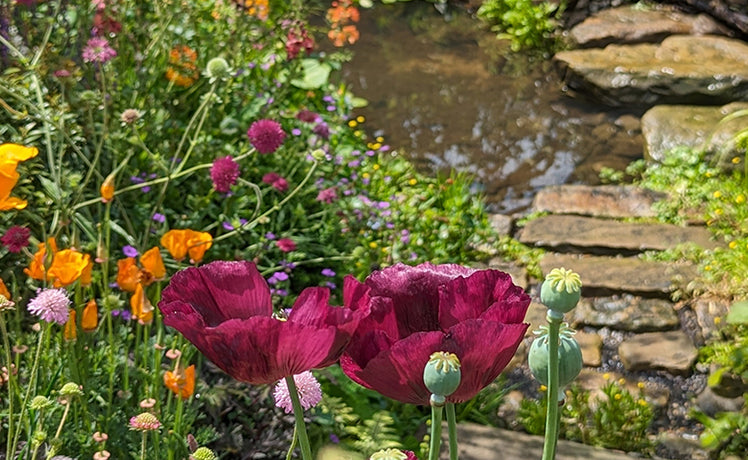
(142, 138)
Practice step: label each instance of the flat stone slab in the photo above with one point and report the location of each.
(597, 200)
(629, 24)
(616, 275)
(665, 127)
(671, 351)
(478, 442)
(566, 233)
(626, 313)
(681, 70)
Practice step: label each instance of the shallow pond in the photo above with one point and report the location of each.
(441, 93)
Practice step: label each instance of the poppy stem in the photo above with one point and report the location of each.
(452, 424)
(298, 412)
(436, 431)
(552, 415)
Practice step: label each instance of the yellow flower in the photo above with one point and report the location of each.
(618, 397)
(736, 160)
(740, 199)
(360, 119)
(375, 167)
(373, 245)
(717, 194)
(352, 123)
(413, 182)
(10, 156)
(733, 244)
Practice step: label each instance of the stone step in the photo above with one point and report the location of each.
(625, 313)
(671, 351)
(478, 442)
(603, 276)
(616, 201)
(564, 233)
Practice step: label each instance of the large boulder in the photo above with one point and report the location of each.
(665, 127)
(632, 24)
(683, 69)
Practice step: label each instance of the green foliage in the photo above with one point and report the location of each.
(617, 419)
(526, 24)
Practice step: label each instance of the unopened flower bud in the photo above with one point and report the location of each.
(442, 375)
(107, 189)
(218, 68)
(561, 290)
(70, 389)
(129, 116)
(203, 453)
(40, 402)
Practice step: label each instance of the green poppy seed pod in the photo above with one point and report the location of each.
(561, 290)
(39, 403)
(569, 358)
(70, 389)
(442, 375)
(218, 68)
(203, 453)
(318, 154)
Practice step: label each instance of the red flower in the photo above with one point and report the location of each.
(16, 238)
(286, 244)
(416, 311)
(277, 181)
(224, 173)
(266, 135)
(225, 310)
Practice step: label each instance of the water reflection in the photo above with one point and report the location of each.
(438, 95)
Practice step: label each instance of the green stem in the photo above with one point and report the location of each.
(298, 412)
(11, 383)
(436, 432)
(142, 446)
(294, 441)
(31, 384)
(551, 421)
(452, 424)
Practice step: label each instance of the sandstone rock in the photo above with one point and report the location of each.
(627, 313)
(600, 236)
(501, 223)
(681, 70)
(707, 311)
(635, 25)
(591, 345)
(608, 275)
(670, 351)
(536, 314)
(665, 127)
(598, 201)
(711, 403)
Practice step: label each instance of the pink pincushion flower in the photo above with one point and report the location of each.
(286, 244)
(308, 388)
(98, 50)
(145, 422)
(16, 238)
(224, 173)
(51, 305)
(416, 311)
(226, 310)
(328, 195)
(277, 181)
(266, 135)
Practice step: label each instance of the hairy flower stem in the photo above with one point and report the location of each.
(552, 415)
(31, 384)
(11, 384)
(436, 432)
(294, 441)
(452, 424)
(142, 446)
(298, 412)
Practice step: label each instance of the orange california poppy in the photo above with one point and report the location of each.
(67, 266)
(127, 274)
(152, 262)
(90, 318)
(197, 244)
(175, 241)
(181, 382)
(36, 268)
(140, 307)
(107, 189)
(70, 332)
(182, 70)
(87, 273)
(10, 156)
(4, 290)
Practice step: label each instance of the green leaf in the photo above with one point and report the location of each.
(315, 74)
(738, 313)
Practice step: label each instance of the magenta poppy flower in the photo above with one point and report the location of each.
(416, 311)
(225, 310)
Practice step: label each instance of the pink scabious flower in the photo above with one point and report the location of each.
(276, 181)
(145, 422)
(98, 50)
(224, 173)
(51, 305)
(286, 244)
(16, 238)
(308, 388)
(328, 195)
(266, 135)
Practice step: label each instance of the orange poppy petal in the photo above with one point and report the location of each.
(151, 260)
(70, 332)
(90, 318)
(127, 274)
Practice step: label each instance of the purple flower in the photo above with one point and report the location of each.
(307, 116)
(307, 387)
(296, 132)
(277, 277)
(327, 272)
(16, 238)
(130, 251)
(224, 173)
(266, 135)
(322, 130)
(158, 217)
(51, 305)
(98, 50)
(287, 265)
(270, 236)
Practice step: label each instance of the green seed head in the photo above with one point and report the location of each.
(203, 453)
(218, 68)
(442, 374)
(70, 389)
(40, 402)
(561, 290)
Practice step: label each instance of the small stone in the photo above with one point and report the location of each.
(591, 345)
(670, 351)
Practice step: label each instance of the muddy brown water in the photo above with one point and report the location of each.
(448, 95)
